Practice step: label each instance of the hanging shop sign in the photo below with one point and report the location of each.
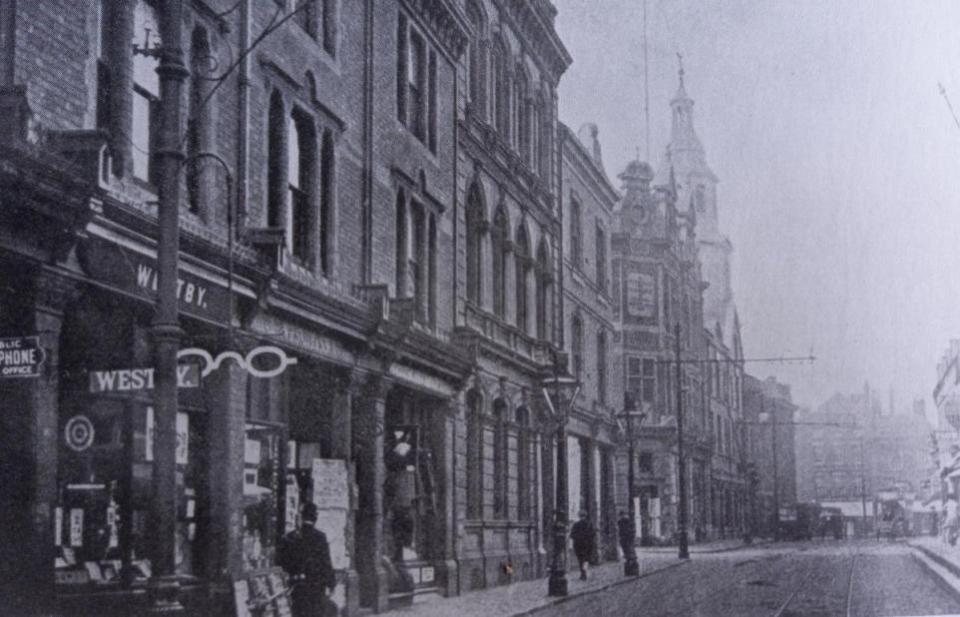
(133, 272)
(78, 433)
(136, 379)
(273, 367)
(21, 356)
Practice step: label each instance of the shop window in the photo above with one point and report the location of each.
(105, 475)
(261, 494)
(146, 95)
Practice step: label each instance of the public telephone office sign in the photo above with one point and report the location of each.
(21, 356)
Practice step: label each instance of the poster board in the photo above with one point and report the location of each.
(331, 495)
(262, 593)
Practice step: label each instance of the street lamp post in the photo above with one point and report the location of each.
(557, 583)
(684, 551)
(631, 566)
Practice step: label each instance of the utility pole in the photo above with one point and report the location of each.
(684, 552)
(165, 331)
(776, 475)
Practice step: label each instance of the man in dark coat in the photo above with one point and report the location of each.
(584, 542)
(305, 555)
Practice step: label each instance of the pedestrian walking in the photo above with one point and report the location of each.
(305, 555)
(584, 542)
(627, 533)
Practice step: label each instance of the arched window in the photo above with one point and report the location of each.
(499, 242)
(602, 367)
(576, 345)
(500, 89)
(474, 455)
(521, 119)
(545, 155)
(476, 61)
(198, 122)
(499, 459)
(576, 234)
(301, 176)
(536, 142)
(474, 244)
(522, 274)
(544, 280)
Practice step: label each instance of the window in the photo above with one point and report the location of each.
(416, 257)
(329, 16)
(498, 246)
(645, 462)
(275, 161)
(416, 84)
(474, 454)
(500, 89)
(476, 62)
(521, 120)
(146, 96)
(544, 281)
(474, 244)
(499, 459)
(642, 378)
(301, 157)
(602, 367)
(546, 137)
(576, 345)
(522, 273)
(525, 458)
(576, 235)
(601, 242)
(306, 16)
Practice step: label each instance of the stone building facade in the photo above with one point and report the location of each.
(588, 200)
(657, 294)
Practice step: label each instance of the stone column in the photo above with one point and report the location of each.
(227, 389)
(368, 427)
(445, 427)
(52, 295)
(347, 397)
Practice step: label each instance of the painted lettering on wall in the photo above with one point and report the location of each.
(134, 379)
(190, 293)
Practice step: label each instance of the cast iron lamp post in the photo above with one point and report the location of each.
(560, 404)
(630, 565)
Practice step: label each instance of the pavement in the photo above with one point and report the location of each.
(854, 578)
(530, 597)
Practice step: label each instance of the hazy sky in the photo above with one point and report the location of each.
(838, 159)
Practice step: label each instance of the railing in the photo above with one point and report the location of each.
(495, 329)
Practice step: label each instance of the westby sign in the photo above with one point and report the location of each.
(136, 273)
(21, 356)
(136, 379)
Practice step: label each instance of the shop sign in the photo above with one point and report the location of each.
(136, 379)
(211, 364)
(137, 273)
(21, 356)
(78, 433)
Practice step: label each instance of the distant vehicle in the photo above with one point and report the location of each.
(799, 521)
(892, 519)
(831, 523)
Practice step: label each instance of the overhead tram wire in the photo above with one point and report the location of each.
(943, 92)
